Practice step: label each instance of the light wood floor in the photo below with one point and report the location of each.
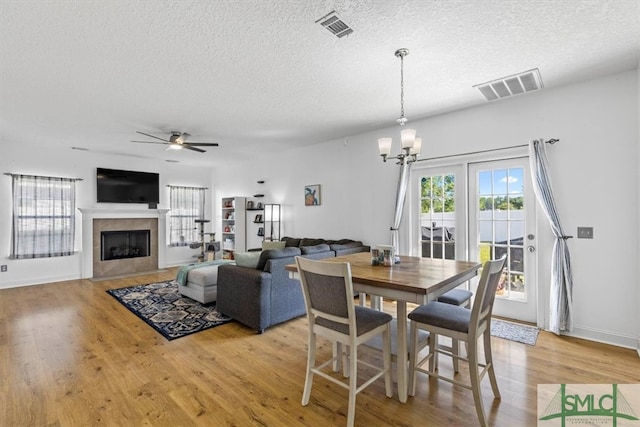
(71, 355)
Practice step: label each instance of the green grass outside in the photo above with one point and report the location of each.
(485, 252)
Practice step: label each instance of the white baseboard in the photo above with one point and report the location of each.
(606, 337)
(41, 281)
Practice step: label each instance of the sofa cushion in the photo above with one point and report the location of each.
(275, 254)
(307, 250)
(247, 259)
(345, 241)
(310, 242)
(346, 245)
(272, 245)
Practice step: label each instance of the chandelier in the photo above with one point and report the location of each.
(411, 145)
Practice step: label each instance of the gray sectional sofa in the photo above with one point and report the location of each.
(266, 295)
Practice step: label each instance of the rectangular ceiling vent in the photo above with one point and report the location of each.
(335, 25)
(516, 84)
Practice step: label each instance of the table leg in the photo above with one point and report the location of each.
(401, 357)
(363, 299)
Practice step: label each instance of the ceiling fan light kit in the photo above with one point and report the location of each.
(177, 141)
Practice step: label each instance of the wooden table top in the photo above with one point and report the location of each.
(413, 274)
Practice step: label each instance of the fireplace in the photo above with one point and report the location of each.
(124, 244)
(97, 220)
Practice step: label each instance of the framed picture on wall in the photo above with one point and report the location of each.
(312, 195)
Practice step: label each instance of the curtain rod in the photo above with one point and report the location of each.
(183, 186)
(551, 141)
(41, 176)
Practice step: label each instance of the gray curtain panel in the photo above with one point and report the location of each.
(561, 295)
(43, 216)
(401, 195)
(187, 205)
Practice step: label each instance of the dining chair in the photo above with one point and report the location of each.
(459, 297)
(332, 314)
(459, 323)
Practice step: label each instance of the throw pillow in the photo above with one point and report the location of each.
(291, 242)
(273, 245)
(247, 259)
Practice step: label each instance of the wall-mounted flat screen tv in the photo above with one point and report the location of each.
(120, 186)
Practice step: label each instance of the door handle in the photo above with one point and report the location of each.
(531, 248)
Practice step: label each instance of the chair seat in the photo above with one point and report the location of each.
(456, 297)
(443, 315)
(366, 320)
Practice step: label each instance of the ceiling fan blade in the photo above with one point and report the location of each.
(203, 144)
(152, 142)
(189, 147)
(151, 136)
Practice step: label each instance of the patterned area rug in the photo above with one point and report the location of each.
(167, 311)
(514, 331)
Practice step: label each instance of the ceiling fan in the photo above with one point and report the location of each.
(178, 140)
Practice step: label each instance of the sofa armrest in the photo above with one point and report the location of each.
(245, 295)
(287, 299)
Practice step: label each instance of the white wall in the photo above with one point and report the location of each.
(593, 169)
(39, 160)
(638, 192)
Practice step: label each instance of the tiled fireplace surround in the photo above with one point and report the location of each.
(95, 220)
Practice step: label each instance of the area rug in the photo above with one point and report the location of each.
(163, 308)
(514, 331)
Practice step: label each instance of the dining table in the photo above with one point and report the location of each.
(414, 280)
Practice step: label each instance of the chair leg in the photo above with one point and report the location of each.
(386, 355)
(353, 384)
(475, 381)
(433, 354)
(311, 363)
(488, 357)
(455, 350)
(413, 358)
(344, 356)
(337, 353)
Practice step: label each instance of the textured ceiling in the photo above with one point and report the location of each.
(262, 75)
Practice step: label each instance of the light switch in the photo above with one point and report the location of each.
(585, 232)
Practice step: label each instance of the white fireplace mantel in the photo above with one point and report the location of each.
(89, 214)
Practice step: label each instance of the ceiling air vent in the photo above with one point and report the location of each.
(516, 84)
(335, 25)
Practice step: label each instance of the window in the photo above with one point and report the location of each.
(187, 205)
(43, 216)
(437, 216)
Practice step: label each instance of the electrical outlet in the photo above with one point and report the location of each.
(585, 232)
(3, 268)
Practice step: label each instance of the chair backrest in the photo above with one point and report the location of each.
(328, 291)
(486, 293)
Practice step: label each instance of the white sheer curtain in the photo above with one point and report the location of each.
(561, 297)
(43, 216)
(187, 205)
